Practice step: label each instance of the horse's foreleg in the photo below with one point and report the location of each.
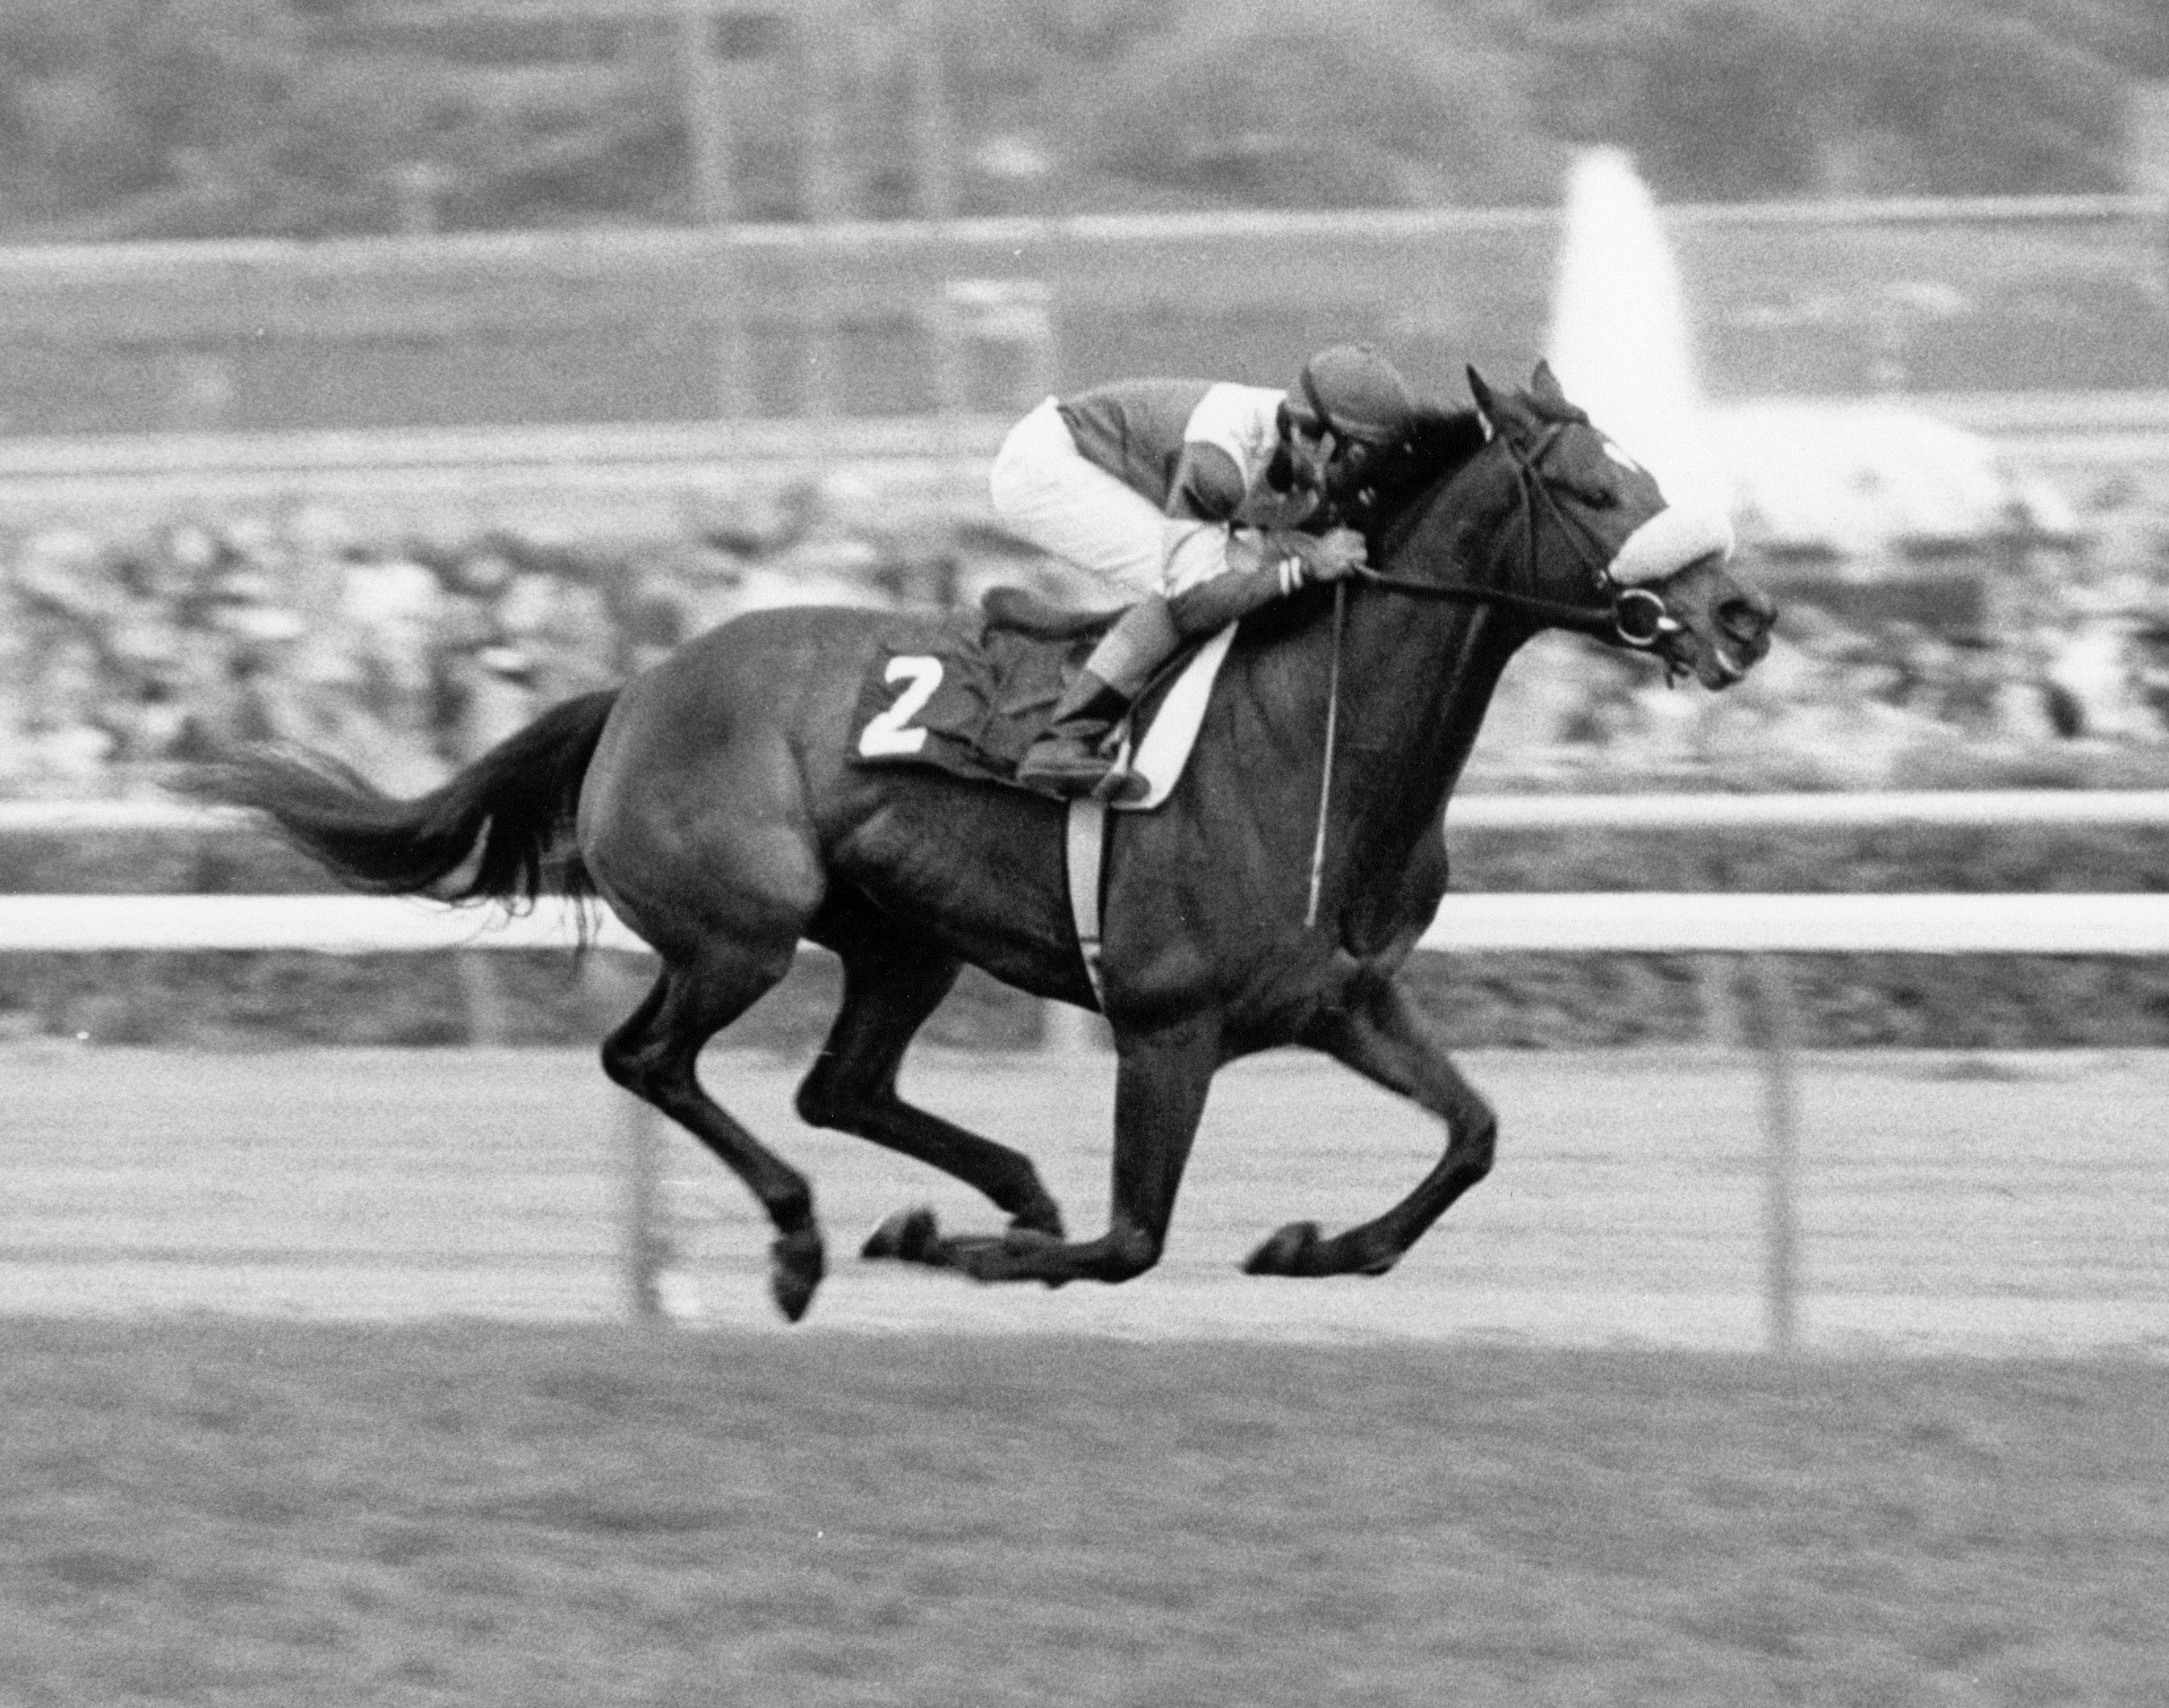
(652, 1055)
(892, 983)
(1159, 1097)
(1387, 1039)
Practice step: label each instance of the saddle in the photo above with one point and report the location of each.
(1023, 612)
(971, 697)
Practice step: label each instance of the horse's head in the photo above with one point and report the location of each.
(1589, 542)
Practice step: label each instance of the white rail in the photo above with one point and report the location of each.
(1696, 923)
(1982, 808)
(1628, 923)
(1624, 923)
(333, 925)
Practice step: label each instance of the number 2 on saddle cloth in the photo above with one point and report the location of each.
(968, 697)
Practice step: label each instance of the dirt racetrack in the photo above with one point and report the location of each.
(1149, 1495)
(1947, 1202)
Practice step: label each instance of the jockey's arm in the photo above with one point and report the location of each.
(1263, 565)
(1217, 574)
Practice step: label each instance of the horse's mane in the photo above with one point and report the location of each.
(1436, 447)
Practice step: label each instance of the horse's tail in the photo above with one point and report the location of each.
(486, 834)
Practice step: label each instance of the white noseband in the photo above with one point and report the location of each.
(1669, 541)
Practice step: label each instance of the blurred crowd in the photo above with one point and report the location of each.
(119, 656)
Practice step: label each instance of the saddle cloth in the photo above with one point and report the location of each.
(970, 699)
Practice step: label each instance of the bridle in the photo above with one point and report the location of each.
(1635, 617)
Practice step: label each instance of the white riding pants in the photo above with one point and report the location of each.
(1047, 490)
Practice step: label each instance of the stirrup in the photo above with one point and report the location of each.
(1103, 780)
(1067, 771)
(1123, 783)
(1069, 760)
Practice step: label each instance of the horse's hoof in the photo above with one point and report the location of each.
(796, 1267)
(1290, 1252)
(909, 1237)
(997, 1257)
(1020, 1241)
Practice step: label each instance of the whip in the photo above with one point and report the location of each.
(1325, 772)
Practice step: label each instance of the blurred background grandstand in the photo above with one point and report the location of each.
(375, 371)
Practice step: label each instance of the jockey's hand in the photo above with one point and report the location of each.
(1332, 556)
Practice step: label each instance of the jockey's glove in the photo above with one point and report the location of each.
(1332, 556)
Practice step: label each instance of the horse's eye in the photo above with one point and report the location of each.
(1596, 498)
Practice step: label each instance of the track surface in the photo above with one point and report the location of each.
(230, 1513)
(1947, 1203)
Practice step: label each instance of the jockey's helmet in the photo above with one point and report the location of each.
(1353, 392)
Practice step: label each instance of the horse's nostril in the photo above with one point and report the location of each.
(1748, 616)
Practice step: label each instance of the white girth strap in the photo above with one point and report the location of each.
(1087, 842)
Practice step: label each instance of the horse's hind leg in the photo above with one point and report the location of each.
(653, 1053)
(893, 980)
(1386, 1038)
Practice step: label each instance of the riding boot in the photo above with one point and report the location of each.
(1069, 757)
(1074, 757)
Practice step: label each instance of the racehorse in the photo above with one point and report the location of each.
(714, 804)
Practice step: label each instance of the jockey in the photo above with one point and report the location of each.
(1193, 496)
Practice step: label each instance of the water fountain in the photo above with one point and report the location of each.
(1858, 482)
(1620, 339)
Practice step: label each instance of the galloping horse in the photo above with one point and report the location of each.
(713, 803)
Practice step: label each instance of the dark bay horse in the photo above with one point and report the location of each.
(712, 802)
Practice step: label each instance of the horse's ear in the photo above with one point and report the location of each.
(1544, 384)
(1487, 400)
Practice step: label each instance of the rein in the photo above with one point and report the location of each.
(1588, 620)
(1633, 615)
